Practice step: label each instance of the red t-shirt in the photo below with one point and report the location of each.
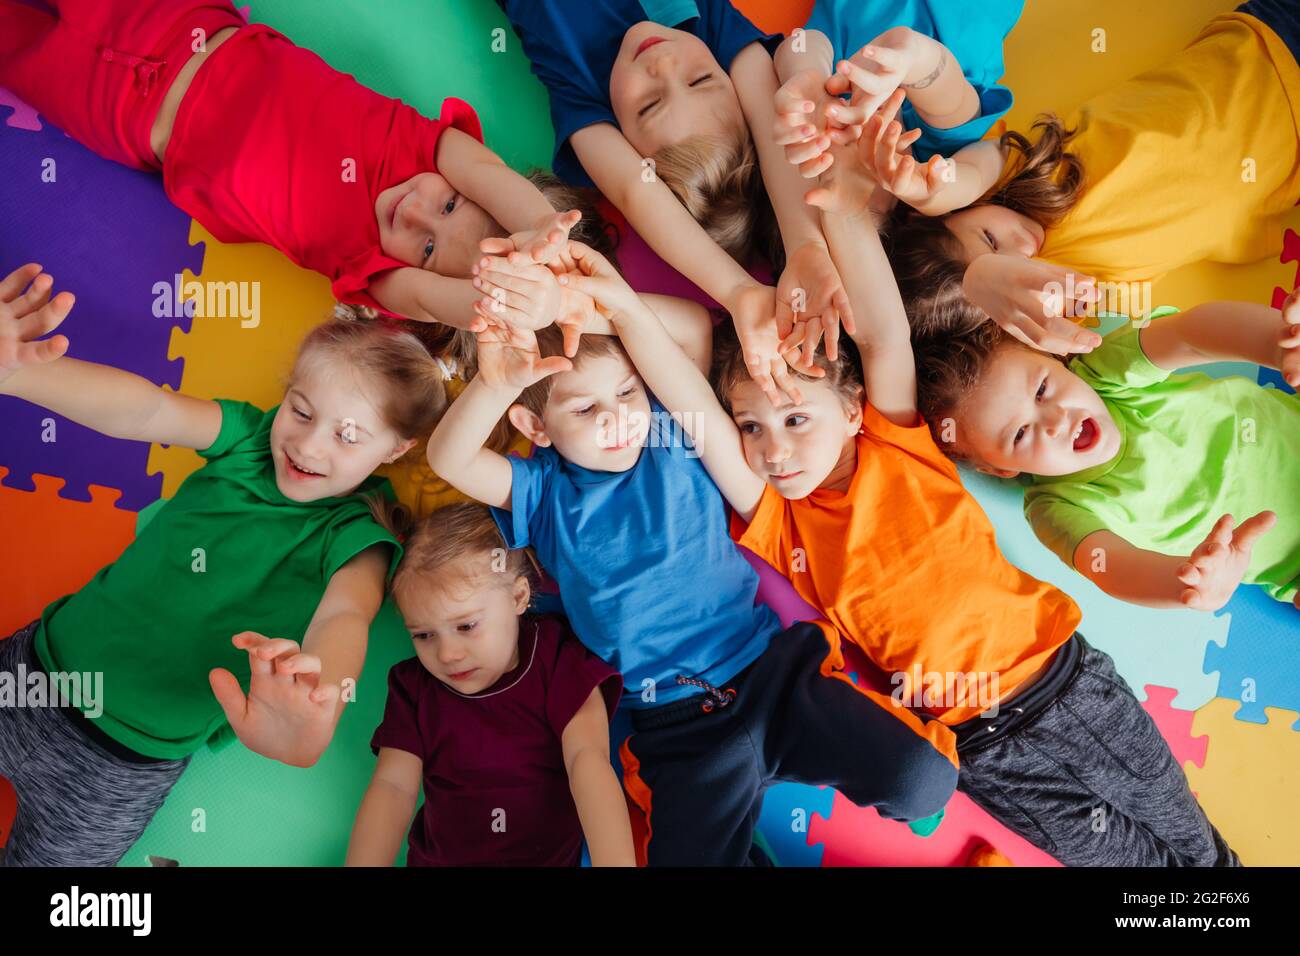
(271, 144)
(496, 792)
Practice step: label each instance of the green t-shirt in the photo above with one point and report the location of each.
(1193, 448)
(228, 553)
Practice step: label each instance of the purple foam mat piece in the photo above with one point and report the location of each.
(108, 234)
(21, 116)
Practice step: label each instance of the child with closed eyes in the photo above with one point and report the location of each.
(502, 717)
(262, 141)
(1197, 159)
(271, 541)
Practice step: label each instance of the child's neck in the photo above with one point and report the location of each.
(841, 475)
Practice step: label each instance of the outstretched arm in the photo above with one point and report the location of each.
(1217, 331)
(385, 812)
(602, 808)
(109, 400)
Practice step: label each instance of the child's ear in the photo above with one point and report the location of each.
(996, 472)
(400, 450)
(529, 425)
(523, 593)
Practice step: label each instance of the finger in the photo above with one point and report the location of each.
(911, 136)
(1250, 530)
(817, 330)
(761, 372)
(299, 664)
(496, 246)
(781, 374)
(13, 284)
(276, 647)
(845, 135)
(789, 135)
(250, 641)
(803, 152)
(820, 197)
(889, 108)
(889, 59)
(229, 695)
(47, 319)
(815, 167)
(37, 294)
(837, 85)
(508, 282)
(550, 366)
(325, 696)
(495, 311)
(572, 337)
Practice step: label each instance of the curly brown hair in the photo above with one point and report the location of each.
(1044, 181)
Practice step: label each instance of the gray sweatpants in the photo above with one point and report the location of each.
(78, 804)
(1080, 770)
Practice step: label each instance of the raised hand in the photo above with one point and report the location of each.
(1028, 298)
(754, 310)
(545, 243)
(1289, 342)
(509, 359)
(873, 74)
(594, 276)
(884, 150)
(1218, 564)
(518, 290)
(811, 286)
(26, 316)
(288, 714)
(801, 122)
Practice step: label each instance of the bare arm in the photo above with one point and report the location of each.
(385, 812)
(602, 808)
(456, 453)
(480, 175)
(973, 171)
(340, 629)
(428, 297)
(883, 334)
(1217, 331)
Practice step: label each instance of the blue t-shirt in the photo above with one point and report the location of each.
(972, 31)
(649, 576)
(573, 45)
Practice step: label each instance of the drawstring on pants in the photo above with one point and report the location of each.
(146, 69)
(717, 699)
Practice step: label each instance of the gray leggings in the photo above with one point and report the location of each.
(78, 804)
(1084, 774)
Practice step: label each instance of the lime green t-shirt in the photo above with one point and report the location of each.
(1193, 448)
(228, 553)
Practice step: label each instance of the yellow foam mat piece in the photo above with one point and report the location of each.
(1249, 782)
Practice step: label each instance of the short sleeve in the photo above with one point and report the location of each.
(400, 728)
(530, 482)
(351, 284)
(915, 440)
(240, 421)
(994, 103)
(349, 538)
(726, 31)
(763, 535)
(1118, 363)
(1060, 524)
(828, 18)
(576, 673)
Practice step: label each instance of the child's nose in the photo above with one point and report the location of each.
(777, 452)
(1059, 422)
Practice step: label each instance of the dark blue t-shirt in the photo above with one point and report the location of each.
(649, 576)
(573, 45)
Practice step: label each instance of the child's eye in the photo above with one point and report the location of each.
(630, 390)
(428, 249)
(584, 411)
(795, 420)
(420, 636)
(301, 414)
(1041, 388)
(647, 108)
(988, 237)
(749, 428)
(467, 626)
(697, 82)
(450, 207)
(1019, 435)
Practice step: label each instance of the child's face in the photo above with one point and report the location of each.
(797, 448)
(597, 415)
(994, 228)
(1030, 413)
(464, 623)
(427, 224)
(666, 86)
(328, 436)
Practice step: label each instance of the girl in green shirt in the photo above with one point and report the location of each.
(239, 611)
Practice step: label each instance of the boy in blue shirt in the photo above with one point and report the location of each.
(627, 520)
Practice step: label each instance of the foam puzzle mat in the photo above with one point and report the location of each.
(1224, 689)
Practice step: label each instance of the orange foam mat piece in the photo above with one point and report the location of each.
(54, 546)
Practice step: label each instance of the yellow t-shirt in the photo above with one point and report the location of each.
(414, 482)
(1195, 160)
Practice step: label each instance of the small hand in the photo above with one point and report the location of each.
(25, 317)
(509, 358)
(885, 152)
(811, 285)
(1289, 340)
(754, 310)
(1027, 297)
(872, 75)
(288, 714)
(1218, 564)
(595, 276)
(518, 291)
(801, 123)
(545, 243)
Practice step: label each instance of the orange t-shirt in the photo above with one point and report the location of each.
(905, 564)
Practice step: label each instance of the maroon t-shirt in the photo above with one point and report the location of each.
(495, 789)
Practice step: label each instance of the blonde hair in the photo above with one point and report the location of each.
(719, 182)
(447, 540)
(408, 387)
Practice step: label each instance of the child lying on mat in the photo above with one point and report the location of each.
(1135, 473)
(1196, 159)
(262, 141)
(271, 541)
(502, 715)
